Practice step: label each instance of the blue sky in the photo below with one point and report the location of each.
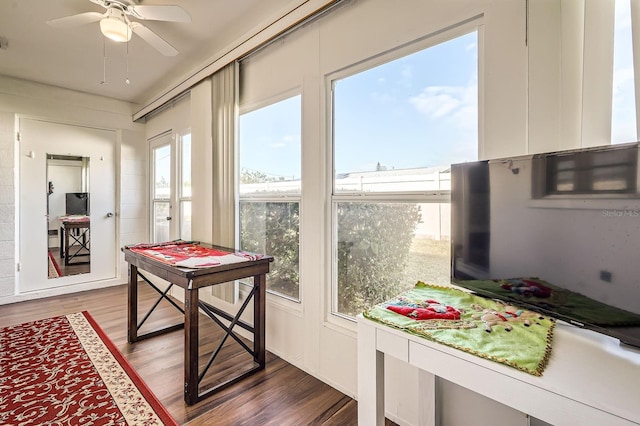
(417, 111)
(270, 139)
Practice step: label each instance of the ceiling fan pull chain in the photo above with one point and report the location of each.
(127, 76)
(104, 62)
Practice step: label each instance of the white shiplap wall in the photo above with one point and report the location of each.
(20, 98)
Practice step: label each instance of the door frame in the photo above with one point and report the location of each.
(174, 141)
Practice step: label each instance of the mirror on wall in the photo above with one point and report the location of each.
(583, 87)
(68, 212)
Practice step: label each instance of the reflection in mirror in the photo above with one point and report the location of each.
(68, 212)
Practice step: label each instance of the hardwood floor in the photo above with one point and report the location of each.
(280, 395)
(77, 265)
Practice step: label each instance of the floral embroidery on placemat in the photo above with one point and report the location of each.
(485, 328)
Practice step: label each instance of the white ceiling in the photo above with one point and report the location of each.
(73, 57)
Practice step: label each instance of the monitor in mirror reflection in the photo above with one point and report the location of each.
(68, 212)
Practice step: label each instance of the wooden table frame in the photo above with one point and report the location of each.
(66, 228)
(191, 281)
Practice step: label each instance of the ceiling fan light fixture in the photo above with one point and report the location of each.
(115, 27)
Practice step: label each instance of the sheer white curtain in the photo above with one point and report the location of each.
(224, 100)
(214, 112)
(224, 89)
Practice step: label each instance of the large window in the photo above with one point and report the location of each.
(270, 169)
(397, 127)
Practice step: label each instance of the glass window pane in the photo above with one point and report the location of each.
(185, 155)
(623, 119)
(397, 129)
(269, 148)
(161, 211)
(273, 228)
(162, 172)
(385, 248)
(185, 220)
(410, 117)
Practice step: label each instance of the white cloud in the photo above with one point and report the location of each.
(285, 141)
(456, 104)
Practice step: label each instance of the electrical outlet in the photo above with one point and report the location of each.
(605, 276)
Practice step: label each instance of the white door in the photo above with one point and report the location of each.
(170, 165)
(162, 154)
(38, 140)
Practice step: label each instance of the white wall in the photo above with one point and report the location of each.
(133, 171)
(7, 205)
(570, 73)
(33, 100)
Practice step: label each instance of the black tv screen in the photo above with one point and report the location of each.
(77, 203)
(557, 233)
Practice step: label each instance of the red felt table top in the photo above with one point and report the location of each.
(176, 251)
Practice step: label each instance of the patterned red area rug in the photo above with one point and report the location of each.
(65, 371)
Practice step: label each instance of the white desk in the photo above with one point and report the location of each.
(590, 378)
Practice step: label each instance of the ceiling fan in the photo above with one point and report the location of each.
(116, 24)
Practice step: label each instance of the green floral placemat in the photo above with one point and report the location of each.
(486, 328)
(538, 292)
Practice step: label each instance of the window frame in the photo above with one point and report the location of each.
(334, 318)
(273, 197)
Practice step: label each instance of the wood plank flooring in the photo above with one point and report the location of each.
(74, 268)
(280, 395)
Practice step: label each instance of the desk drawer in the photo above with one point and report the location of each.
(392, 345)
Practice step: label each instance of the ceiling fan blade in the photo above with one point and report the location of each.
(153, 39)
(102, 3)
(76, 20)
(160, 13)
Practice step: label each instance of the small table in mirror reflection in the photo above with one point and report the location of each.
(75, 239)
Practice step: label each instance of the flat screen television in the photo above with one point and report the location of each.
(77, 203)
(557, 233)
